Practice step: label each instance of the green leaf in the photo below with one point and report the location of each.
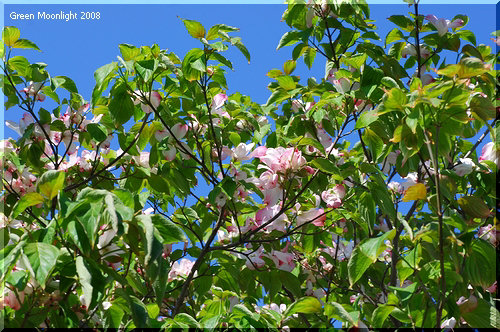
(337, 311)
(146, 68)
(19, 64)
(474, 206)
(10, 35)
(158, 183)
(366, 119)
(194, 28)
(213, 32)
(121, 107)
(188, 320)
(325, 165)
(66, 82)
(309, 56)
(289, 38)
(365, 254)
(25, 43)
(26, 201)
(50, 183)
(239, 45)
(380, 314)
(129, 52)
(306, 305)
(169, 231)
(43, 258)
(484, 315)
(289, 66)
(139, 312)
(114, 316)
(191, 73)
(480, 265)
(98, 132)
(394, 35)
(103, 73)
(286, 82)
(403, 22)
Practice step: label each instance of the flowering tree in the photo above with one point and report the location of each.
(299, 229)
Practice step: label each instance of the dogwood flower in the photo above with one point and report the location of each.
(143, 97)
(180, 270)
(333, 197)
(465, 167)
(242, 151)
(489, 152)
(410, 49)
(442, 25)
(33, 90)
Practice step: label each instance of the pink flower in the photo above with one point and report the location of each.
(242, 151)
(442, 25)
(254, 259)
(25, 121)
(180, 270)
(333, 197)
(153, 97)
(281, 159)
(264, 215)
(489, 233)
(283, 260)
(492, 289)
(142, 160)
(34, 90)
(219, 101)
(318, 215)
(11, 300)
(489, 152)
(410, 49)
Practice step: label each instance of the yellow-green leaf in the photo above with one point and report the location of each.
(26, 201)
(51, 183)
(417, 191)
(10, 35)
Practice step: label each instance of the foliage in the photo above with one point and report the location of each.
(105, 223)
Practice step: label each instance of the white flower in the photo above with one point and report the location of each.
(465, 167)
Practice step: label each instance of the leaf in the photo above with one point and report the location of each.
(286, 82)
(394, 35)
(129, 52)
(191, 73)
(365, 254)
(337, 311)
(304, 305)
(19, 64)
(484, 315)
(97, 131)
(239, 45)
(194, 28)
(417, 191)
(213, 32)
(10, 35)
(188, 320)
(289, 38)
(309, 56)
(66, 82)
(146, 68)
(325, 165)
(380, 314)
(366, 119)
(139, 312)
(50, 183)
(289, 66)
(480, 265)
(43, 258)
(25, 43)
(26, 201)
(104, 72)
(121, 107)
(474, 206)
